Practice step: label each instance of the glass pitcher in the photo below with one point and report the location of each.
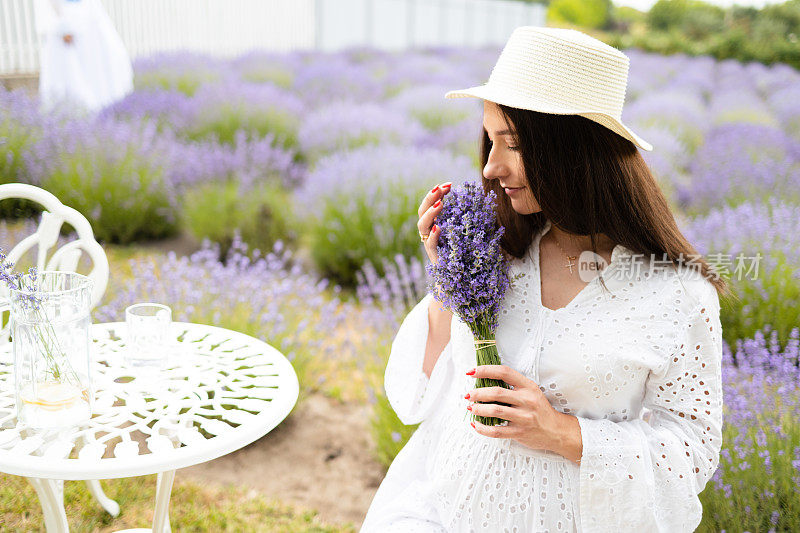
(50, 340)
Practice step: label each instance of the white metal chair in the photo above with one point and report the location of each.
(64, 258)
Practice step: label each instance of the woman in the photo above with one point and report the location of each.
(615, 412)
(83, 61)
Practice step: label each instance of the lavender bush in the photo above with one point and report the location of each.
(248, 161)
(21, 124)
(323, 79)
(362, 205)
(785, 103)
(223, 109)
(345, 126)
(260, 213)
(767, 294)
(171, 109)
(181, 71)
(276, 68)
(115, 174)
(740, 162)
(740, 105)
(754, 488)
(391, 296)
(681, 112)
(426, 105)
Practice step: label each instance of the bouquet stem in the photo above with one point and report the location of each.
(486, 354)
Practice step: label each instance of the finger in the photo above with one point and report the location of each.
(432, 242)
(504, 373)
(430, 199)
(492, 409)
(497, 432)
(493, 394)
(426, 220)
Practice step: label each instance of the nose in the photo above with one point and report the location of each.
(495, 167)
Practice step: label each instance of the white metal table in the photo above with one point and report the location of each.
(220, 391)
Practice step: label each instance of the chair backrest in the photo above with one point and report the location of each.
(46, 236)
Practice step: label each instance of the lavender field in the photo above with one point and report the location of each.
(301, 174)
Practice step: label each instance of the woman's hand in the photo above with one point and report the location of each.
(428, 210)
(532, 421)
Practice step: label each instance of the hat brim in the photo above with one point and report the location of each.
(499, 96)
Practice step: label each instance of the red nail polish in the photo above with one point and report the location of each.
(469, 408)
(438, 203)
(434, 228)
(471, 372)
(446, 185)
(435, 189)
(472, 424)
(466, 396)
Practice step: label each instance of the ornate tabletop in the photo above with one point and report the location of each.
(219, 391)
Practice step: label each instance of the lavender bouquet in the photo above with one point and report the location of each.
(471, 276)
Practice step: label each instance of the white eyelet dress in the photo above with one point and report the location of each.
(639, 366)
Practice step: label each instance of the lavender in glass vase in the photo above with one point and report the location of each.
(471, 275)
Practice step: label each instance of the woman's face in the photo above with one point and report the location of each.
(505, 161)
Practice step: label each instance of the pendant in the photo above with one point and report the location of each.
(570, 264)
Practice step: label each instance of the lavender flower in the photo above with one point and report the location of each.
(471, 274)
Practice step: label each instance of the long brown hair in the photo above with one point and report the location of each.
(589, 180)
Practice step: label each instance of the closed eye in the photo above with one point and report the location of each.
(515, 148)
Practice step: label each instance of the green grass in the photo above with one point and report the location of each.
(192, 508)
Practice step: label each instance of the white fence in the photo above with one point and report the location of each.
(231, 27)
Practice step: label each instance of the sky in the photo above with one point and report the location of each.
(644, 5)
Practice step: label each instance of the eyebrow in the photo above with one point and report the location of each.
(503, 132)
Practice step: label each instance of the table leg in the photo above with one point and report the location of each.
(51, 498)
(163, 491)
(105, 502)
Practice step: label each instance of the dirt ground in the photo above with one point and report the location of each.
(319, 457)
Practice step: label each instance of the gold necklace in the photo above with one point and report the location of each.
(570, 258)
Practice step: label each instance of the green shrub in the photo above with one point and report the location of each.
(223, 120)
(769, 35)
(770, 300)
(269, 74)
(185, 80)
(584, 13)
(262, 215)
(344, 237)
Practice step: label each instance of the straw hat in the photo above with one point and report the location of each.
(563, 72)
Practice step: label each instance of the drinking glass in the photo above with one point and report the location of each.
(148, 334)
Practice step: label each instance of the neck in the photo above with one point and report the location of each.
(573, 243)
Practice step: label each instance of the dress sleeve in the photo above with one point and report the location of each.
(641, 475)
(410, 392)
